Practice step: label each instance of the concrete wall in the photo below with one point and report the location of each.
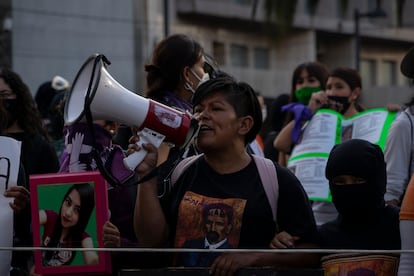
(55, 37)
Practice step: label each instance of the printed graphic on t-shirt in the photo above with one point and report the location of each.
(58, 258)
(207, 223)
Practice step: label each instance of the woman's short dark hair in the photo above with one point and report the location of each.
(348, 75)
(240, 96)
(352, 78)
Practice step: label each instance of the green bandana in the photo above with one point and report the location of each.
(304, 94)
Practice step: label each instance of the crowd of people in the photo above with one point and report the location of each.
(213, 194)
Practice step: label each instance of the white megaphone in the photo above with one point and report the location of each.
(96, 89)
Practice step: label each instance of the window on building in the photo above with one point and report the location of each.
(310, 7)
(261, 58)
(239, 55)
(372, 5)
(340, 11)
(243, 2)
(388, 73)
(368, 72)
(219, 52)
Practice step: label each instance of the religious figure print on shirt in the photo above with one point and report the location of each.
(207, 223)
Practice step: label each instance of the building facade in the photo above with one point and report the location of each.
(54, 37)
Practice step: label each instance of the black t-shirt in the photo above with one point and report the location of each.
(38, 155)
(252, 221)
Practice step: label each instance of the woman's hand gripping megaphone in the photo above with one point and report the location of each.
(145, 136)
(155, 138)
(149, 154)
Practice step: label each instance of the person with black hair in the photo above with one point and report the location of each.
(308, 78)
(178, 66)
(22, 122)
(49, 100)
(66, 228)
(229, 117)
(20, 205)
(356, 172)
(343, 89)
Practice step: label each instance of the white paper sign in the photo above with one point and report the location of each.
(326, 129)
(9, 169)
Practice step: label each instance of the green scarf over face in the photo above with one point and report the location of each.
(304, 94)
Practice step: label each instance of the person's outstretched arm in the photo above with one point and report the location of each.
(91, 257)
(283, 141)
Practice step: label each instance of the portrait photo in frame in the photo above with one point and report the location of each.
(73, 206)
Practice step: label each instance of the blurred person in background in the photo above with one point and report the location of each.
(178, 66)
(399, 148)
(22, 122)
(50, 102)
(343, 89)
(276, 120)
(308, 78)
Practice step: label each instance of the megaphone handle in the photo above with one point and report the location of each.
(133, 160)
(146, 136)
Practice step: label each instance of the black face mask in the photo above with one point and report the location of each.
(11, 107)
(357, 202)
(361, 159)
(340, 104)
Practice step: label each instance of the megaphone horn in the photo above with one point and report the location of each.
(96, 89)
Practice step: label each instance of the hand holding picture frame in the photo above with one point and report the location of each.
(68, 211)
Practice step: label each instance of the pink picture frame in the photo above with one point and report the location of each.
(54, 200)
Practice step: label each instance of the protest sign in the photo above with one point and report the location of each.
(9, 170)
(326, 129)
